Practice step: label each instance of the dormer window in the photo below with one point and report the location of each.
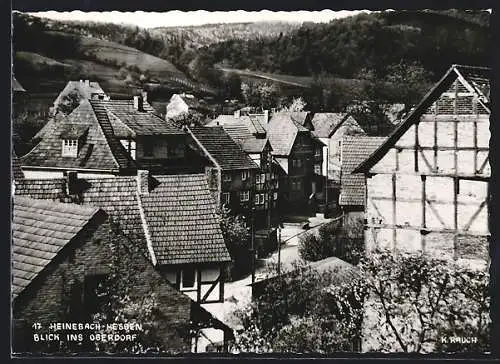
(70, 148)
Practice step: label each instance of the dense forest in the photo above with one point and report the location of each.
(347, 47)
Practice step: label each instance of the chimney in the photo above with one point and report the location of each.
(138, 103)
(237, 114)
(87, 83)
(144, 96)
(266, 115)
(143, 181)
(71, 182)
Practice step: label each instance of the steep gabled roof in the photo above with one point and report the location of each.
(98, 148)
(325, 123)
(222, 148)
(40, 230)
(139, 122)
(83, 89)
(178, 213)
(282, 130)
(472, 76)
(355, 149)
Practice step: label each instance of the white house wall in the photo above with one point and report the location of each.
(429, 192)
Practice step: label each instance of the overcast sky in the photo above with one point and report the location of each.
(182, 18)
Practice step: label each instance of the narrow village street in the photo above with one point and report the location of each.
(237, 294)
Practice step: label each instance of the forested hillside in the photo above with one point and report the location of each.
(346, 47)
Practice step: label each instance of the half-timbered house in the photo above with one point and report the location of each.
(428, 184)
(105, 138)
(61, 252)
(171, 218)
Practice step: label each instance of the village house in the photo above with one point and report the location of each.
(300, 156)
(105, 138)
(428, 183)
(249, 132)
(171, 218)
(184, 104)
(233, 174)
(354, 150)
(61, 252)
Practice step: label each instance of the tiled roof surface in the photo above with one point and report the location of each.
(282, 130)
(181, 217)
(354, 151)
(325, 123)
(81, 88)
(177, 237)
(253, 123)
(98, 149)
(140, 122)
(17, 172)
(222, 148)
(40, 230)
(253, 145)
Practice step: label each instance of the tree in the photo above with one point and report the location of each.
(396, 302)
(297, 104)
(188, 119)
(299, 312)
(416, 300)
(260, 94)
(235, 232)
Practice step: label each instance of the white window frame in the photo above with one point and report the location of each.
(317, 168)
(70, 148)
(262, 178)
(226, 198)
(297, 163)
(317, 152)
(226, 177)
(245, 196)
(245, 175)
(262, 198)
(195, 282)
(257, 178)
(275, 196)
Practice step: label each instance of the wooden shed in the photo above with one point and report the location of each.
(428, 184)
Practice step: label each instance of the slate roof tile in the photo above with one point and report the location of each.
(179, 211)
(40, 230)
(222, 148)
(282, 130)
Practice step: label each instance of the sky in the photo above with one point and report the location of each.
(199, 17)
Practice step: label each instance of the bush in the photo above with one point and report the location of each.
(311, 248)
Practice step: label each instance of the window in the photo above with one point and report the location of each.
(244, 175)
(95, 293)
(296, 185)
(226, 177)
(317, 152)
(225, 198)
(296, 163)
(70, 148)
(129, 146)
(260, 178)
(275, 196)
(244, 196)
(260, 198)
(188, 278)
(317, 168)
(257, 178)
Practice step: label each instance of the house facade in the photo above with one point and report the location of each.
(171, 218)
(249, 132)
(105, 138)
(233, 174)
(300, 156)
(428, 184)
(78, 254)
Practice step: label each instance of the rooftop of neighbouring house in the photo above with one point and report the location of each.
(282, 130)
(355, 149)
(179, 226)
(40, 230)
(222, 148)
(326, 124)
